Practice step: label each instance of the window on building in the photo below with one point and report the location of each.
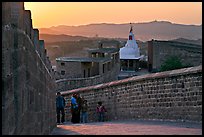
(103, 68)
(84, 73)
(113, 60)
(124, 64)
(117, 58)
(130, 37)
(108, 66)
(89, 72)
(62, 64)
(62, 72)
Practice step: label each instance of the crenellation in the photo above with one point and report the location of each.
(22, 78)
(28, 22)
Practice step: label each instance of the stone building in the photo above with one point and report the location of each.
(101, 65)
(159, 51)
(28, 86)
(130, 54)
(98, 62)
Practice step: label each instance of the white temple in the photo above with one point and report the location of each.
(130, 54)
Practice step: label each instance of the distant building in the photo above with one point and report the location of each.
(159, 51)
(99, 62)
(130, 54)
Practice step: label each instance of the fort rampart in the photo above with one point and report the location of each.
(172, 95)
(28, 92)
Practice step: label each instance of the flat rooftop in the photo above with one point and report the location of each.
(103, 50)
(187, 46)
(85, 59)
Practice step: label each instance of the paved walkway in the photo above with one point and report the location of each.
(136, 127)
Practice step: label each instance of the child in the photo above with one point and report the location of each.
(101, 112)
(84, 109)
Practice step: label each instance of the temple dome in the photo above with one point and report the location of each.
(131, 50)
(129, 53)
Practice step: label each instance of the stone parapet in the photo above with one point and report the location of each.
(171, 95)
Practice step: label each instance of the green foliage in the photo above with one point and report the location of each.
(171, 63)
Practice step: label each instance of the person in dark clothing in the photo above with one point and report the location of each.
(74, 108)
(79, 102)
(60, 105)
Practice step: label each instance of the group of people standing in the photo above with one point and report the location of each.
(79, 108)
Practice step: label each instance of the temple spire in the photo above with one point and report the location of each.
(130, 27)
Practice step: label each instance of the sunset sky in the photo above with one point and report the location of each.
(47, 14)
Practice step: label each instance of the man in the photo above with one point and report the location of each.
(74, 108)
(60, 105)
(79, 101)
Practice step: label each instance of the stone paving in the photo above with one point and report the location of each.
(127, 127)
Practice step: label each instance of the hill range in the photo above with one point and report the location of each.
(160, 30)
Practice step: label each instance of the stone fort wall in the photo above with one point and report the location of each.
(159, 51)
(73, 83)
(171, 95)
(28, 95)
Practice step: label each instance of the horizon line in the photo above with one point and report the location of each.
(112, 23)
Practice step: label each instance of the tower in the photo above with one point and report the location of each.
(130, 53)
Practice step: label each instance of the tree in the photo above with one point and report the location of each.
(171, 63)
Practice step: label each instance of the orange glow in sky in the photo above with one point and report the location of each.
(47, 14)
